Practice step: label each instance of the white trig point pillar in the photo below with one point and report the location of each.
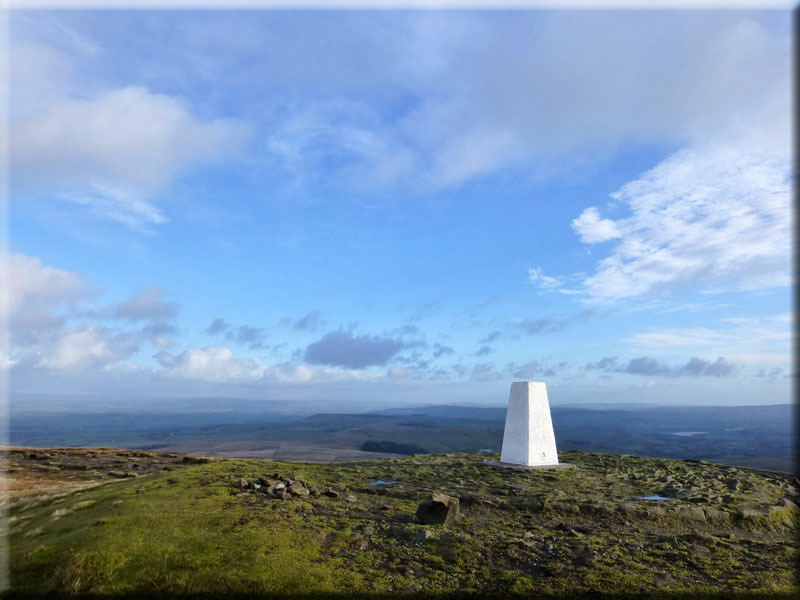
(528, 438)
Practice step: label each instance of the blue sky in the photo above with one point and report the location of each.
(411, 207)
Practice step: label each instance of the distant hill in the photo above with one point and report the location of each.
(759, 436)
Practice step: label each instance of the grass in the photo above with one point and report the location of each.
(171, 537)
(190, 530)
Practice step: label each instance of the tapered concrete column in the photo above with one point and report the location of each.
(528, 438)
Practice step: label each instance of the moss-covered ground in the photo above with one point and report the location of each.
(192, 528)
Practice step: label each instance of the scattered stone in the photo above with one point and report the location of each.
(565, 507)
(574, 533)
(351, 498)
(401, 532)
(656, 511)
(423, 535)
(699, 551)
(331, 493)
(121, 474)
(782, 512)
(732, 484)
(663, 579)
(535, 503)
(752, 513)
(521, 542)
(297, 490)
(699, 499)
(713, 514)
(585, 559)
(601, 510)
(699, 536)
(243, 483)
(439, 509)
(692, 513)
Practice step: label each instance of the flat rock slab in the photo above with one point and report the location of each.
(505, 465)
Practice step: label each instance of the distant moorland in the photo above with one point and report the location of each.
(754, 436)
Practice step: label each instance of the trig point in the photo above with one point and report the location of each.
(528, 438)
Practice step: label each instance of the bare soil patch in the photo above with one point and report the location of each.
(276, 450)
(31, 474)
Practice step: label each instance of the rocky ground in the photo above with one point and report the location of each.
(716, 526)
(427, 524)
(33, 474)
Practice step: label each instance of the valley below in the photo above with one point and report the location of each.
(748, 436)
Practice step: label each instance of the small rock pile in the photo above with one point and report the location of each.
(280, 488)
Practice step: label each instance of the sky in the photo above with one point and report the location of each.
(407, 207)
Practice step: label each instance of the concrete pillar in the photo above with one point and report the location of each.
(528, 438)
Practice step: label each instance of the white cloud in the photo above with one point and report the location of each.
(552, 101)
(218, 364)
(114, 152)
(37, 73)
(213, 363)
(536, 276)
(593, 229)
(293, 373)
(147, 304)
(470, 95)
(42, 303)
(32, 291)
(475, 94)
(677, 338)
(80, 348)
(85, 346)
(399, 373)
(111, 203)
(764, 340)
(712, 217)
